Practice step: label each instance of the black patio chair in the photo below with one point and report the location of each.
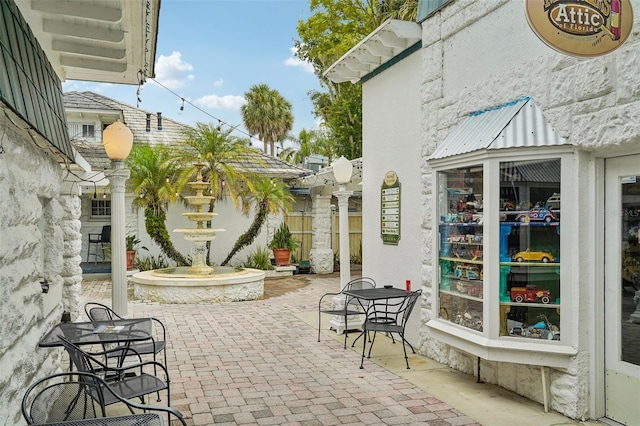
(79, 395)
(99, 312)
(351, 305)
(389, 316)
(96, 241)
(130, 381)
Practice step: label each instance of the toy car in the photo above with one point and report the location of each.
(537, 214)
(553, 202)
(533, 256)
(530, 293)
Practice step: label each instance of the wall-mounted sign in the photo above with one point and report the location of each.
(581, 27)
(390, 209)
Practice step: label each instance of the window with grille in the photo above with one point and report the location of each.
(100, 208)
(88, 131)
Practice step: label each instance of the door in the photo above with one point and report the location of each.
(622, 289)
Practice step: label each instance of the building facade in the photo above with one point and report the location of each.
(520, 163)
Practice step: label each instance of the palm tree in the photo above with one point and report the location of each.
(306, 146)
(156, 178)
(267, 114)
(222, 154)
(268, 196)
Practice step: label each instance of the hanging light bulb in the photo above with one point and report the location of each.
(182, 106)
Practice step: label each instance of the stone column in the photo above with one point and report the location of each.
(118, 175)
(345, 252)
(72, 272)
(321, 254)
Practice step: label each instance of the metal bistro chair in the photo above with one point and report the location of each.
(99, 312)
(131, 381)
(78, 395)
(98, 241)
(351, 305)
(389, 316)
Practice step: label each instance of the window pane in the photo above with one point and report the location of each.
(461, 289)
(530, 249)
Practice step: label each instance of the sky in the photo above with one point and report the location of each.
(210, 52)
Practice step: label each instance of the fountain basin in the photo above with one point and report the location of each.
(225, 286)
(198, 234)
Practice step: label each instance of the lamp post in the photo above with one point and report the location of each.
(118, 140)
(342, 169)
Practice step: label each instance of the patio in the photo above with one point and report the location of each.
(259, 362)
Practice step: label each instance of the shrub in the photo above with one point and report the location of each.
(260, 258)
(148, 263)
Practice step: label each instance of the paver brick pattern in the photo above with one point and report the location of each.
(256, 363)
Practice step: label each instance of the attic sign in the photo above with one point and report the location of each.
(390, 209)
(581, 27)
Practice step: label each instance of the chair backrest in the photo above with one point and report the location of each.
(361, 283)
(105, 235)
(99, 312)
(394, 312)
(80, 359)
(59, 398)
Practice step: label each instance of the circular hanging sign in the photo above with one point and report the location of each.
(581, 27)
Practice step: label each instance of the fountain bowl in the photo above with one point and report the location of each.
(177, 285)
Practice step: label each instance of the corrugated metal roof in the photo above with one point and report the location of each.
(518, 123)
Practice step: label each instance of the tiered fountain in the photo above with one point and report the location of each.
(199, 282)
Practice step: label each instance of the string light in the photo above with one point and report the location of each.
(220, 122)
(182, 106)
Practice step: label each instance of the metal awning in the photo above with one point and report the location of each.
(519, 123)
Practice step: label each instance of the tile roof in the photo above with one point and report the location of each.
(171, 134)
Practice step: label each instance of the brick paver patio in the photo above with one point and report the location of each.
(255, 362)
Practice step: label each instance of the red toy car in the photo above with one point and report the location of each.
(530, 293)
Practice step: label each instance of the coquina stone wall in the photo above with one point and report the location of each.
(39, 240)
(479, 54)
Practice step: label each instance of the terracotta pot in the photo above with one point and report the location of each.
(131, 255)
(281, 256)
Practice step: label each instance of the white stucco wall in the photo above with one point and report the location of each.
(392, 142)
(477, 55)
(39, 239)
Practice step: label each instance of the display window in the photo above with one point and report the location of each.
(461, 291)
(524, 291)
(530, 249)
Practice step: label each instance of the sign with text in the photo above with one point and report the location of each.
(581, 27)
(390, 209)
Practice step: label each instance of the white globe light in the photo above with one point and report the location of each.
(117, 140)
(342, 169)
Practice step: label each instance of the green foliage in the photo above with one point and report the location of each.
(260, 258)
(148, 263)
(270, 196)
(283, 239)
(132, 241)
(267, 114)
(333, 28)
(156, 179)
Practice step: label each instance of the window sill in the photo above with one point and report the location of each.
(514, 350)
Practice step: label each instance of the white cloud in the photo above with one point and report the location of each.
(218, 83)
(293, 61)
(172, 71)
(221, 102)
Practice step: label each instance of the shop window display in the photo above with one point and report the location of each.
(461, 248)
(528, 290)
(530, 202)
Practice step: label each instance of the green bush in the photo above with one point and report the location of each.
(148, 263)
(260, 258)
(283, 239)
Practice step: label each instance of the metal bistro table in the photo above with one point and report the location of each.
(367, 295)
(99, 332)
(144, 419)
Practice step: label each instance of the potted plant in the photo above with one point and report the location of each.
(282, 244)
(131, 243)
